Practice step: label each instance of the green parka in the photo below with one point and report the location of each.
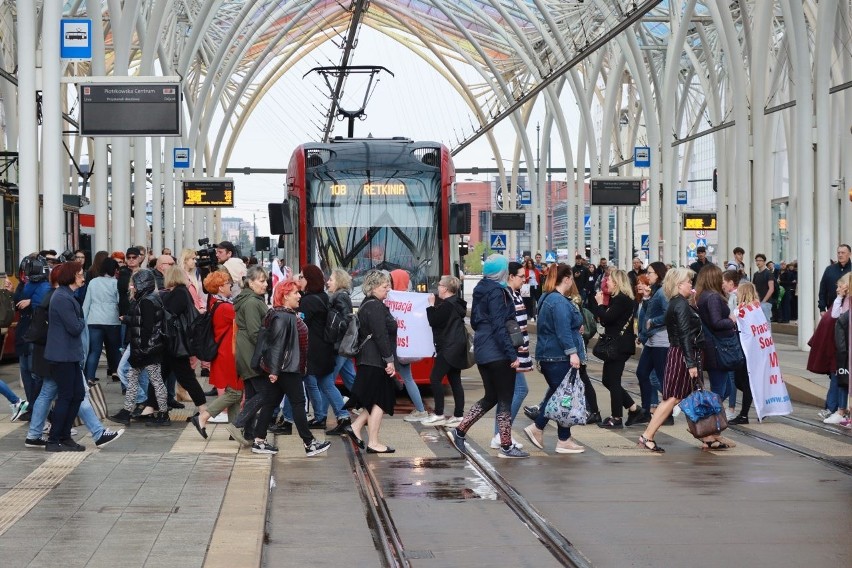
(250, 308)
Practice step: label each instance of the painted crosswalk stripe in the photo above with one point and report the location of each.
(18, 501)
(680, 432)
(609, 442)
(191, 442)
(835, 446)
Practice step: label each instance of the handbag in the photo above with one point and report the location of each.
(728, 351)
(701, 404)
(567, 404)
(515, 333)
(96, 398)
(616, 348)
(707, 426)
(525, 290)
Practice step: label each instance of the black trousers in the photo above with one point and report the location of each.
(441, 369)
(498, 378)
(619, 399)
(185, 376)
(69, 380)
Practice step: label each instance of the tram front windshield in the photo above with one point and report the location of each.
(384, 221)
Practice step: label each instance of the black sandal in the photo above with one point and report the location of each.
(653, 447)
(714, 445)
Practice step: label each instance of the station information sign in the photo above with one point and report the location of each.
(208, 192)
(699, 221)
(132, 108)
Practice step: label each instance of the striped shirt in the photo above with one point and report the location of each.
(524, 357)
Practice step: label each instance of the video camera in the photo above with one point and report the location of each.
(206, 254)
(35, 268)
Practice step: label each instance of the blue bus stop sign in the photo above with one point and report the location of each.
(642, 157)
(181, 157)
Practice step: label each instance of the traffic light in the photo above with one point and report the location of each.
(463, 249)
(715, 180)
(482, 257)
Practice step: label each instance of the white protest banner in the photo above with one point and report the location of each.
(764, 373)
(413, 335)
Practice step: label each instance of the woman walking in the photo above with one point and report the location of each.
(64, 353)
(716, 315)
(250, 309)
(617, 318)
(496, 355)
(223, 369)
(374, 388)
(683, 364)
(446, 314)
(514, 283)
(339, 286)
(286, 358)
(147, 344)
(100, 309)
(178, 302)
(559, 348)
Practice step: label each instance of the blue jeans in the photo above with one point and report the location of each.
(411, 387)
(652, 361)
(41, 408)
(732, 390)
(330, 393)
(767, 311)
(554, 372)
(521, 390)
(315, 396)
(836, 396)
(124, 368)
(344, 367)
(719, 382)
(8, 393)
(98, 336)
(32, 382)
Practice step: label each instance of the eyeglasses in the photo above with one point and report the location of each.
(169, 263)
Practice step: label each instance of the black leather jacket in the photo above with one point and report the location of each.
(684, 328)
(282, 342)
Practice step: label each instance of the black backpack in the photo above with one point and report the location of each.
(201, 341)
(335, 326)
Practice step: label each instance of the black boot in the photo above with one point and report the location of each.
(160, 419)
(122, 417)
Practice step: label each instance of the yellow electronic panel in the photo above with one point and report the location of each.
(699, 221)
(208, 193)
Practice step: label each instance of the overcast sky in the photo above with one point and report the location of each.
(415, 102)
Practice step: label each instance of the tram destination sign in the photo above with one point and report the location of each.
(208, 192)
(616, 191)
(130, 109)
(699, 221)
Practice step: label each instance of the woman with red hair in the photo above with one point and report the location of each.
(285, 362)
(223, 369)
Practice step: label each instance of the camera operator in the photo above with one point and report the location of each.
(226, 254)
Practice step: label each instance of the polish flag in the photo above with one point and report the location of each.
(277, 275)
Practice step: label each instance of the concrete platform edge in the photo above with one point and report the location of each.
(238, 536)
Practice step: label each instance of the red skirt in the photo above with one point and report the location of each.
(678, 383)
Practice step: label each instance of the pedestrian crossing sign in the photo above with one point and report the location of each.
(550, 256)
(498, 241)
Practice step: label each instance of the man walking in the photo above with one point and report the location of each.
(701, 262)
(832, 273)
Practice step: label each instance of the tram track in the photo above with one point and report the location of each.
(388, 541)
(548, 535)
(839, 465)
(385, 534)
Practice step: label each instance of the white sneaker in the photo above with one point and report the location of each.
(73, 431)
(730, 414)
(676, 411)
(454, 421)
(835, 418)
(434, 420)
(416, 416)
(824, 413)
(221, 418)
(495, 443)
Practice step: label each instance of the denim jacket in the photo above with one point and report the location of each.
(558, 333)
(653, 310)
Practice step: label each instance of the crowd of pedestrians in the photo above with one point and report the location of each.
(272, 363)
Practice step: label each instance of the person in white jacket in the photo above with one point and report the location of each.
(100, 310)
